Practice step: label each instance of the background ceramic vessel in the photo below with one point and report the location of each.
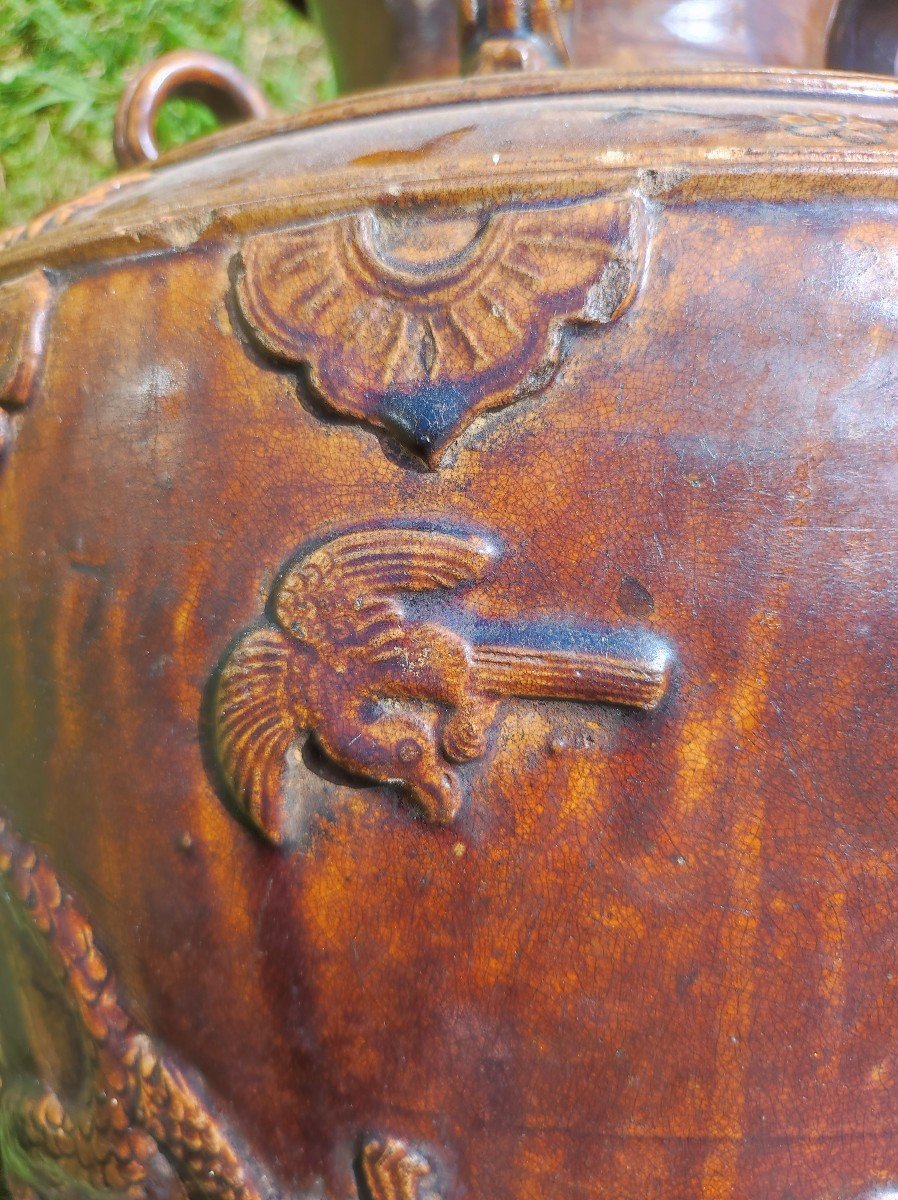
(382, 41)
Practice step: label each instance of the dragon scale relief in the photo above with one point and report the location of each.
(134, 1127)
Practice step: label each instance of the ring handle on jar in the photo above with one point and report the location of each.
(192, 73)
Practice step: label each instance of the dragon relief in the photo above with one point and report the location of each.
(136, 1122)
(361, 650)
(137, 1128)
(416, 323)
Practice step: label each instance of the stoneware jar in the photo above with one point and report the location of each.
(383, 41)
(448, 639)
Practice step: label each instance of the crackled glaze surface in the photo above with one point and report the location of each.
(655, 949)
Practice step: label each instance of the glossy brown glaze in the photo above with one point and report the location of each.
(654, 951)
(381, 41)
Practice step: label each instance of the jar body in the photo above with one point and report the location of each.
(619, 350)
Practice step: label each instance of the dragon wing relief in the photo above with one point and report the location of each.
(417, 323)
(363, 649)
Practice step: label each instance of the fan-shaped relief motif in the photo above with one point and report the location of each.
(415, 323)
(392, 690)
(24, 315)
(134, 1128)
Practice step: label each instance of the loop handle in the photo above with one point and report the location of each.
(193, 73)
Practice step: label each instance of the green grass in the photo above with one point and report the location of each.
(64, 63)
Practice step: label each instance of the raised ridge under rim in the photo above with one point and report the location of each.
(758, 81)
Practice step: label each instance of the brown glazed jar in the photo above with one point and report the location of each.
(387, 41)
(448, 645)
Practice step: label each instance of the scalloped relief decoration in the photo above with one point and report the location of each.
(24, 315)
(415, 322)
